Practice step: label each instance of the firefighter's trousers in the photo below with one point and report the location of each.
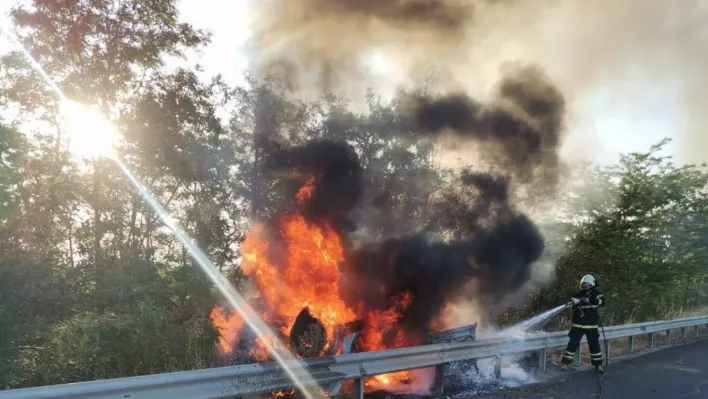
(593, 336)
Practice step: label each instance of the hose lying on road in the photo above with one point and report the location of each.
(607, 355)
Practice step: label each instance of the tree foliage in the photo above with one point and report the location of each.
(639, 227)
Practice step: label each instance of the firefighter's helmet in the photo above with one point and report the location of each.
(588, 279)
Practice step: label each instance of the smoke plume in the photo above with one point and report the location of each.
(322, 41)
(497, 257)
(520, 129)
(638, 61)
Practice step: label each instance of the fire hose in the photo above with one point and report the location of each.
(607, 354)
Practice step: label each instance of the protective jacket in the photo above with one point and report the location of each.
(585, 314)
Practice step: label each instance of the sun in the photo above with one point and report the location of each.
(90, 135)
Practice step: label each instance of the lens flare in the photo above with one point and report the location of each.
(89, 133)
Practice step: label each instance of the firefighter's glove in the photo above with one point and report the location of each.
(585, 300)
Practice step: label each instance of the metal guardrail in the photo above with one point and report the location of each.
(235, 381)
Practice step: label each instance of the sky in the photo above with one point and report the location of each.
(605, 121)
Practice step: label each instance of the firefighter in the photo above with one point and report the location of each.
(586, 320)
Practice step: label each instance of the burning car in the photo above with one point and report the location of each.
(324, 295)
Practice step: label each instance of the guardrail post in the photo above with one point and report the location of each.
(607, 350)
(576, 357)
(695, 330)
(668, 337)
(497, 366)
(684, 334)
(542, 355)
(651, 340)
(439, 381)
(358, 388)
(630, 345)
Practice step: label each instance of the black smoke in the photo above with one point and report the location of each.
(338, 179)
(520, 130)
(498, 256)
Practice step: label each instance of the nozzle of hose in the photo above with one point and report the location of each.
(573, 302)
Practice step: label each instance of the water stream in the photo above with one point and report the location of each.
(534, 322)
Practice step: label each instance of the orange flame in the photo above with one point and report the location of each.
(308, 276)
(381, 324)
(283, 393)
(306, 191)
(229, 328)
(301, 269)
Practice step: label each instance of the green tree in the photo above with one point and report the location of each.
(640, 228)
(87, 227)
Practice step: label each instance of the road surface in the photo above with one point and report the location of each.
(672, 373)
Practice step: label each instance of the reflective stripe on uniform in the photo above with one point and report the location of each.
(599, 299)
(588, 306)
(568, 355)
(585, 327)
(596, 359)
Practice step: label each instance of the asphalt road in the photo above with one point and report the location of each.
(672, 373)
